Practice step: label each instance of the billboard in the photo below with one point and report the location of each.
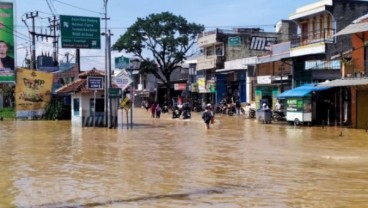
(32, 92)
(7, 69)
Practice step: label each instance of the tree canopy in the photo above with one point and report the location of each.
(166, 36)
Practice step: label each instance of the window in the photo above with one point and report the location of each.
(209, 51)
(219, 50)
(76, 105)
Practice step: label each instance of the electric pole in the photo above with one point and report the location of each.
(107, 109)
(54, 26)
(33, 15)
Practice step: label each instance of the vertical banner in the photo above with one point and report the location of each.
(33, 92)
(7, 69)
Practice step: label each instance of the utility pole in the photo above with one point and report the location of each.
(107, 109)
(54, 25)
(33, 15)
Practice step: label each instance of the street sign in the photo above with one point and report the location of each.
(115, 92)
(126, 103)
(80, 32)
(121, 62)
(123, 81)
(95, 83)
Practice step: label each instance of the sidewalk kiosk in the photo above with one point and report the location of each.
(299, 108)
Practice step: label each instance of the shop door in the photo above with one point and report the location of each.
(362, 110)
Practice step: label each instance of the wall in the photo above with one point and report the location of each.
(358, 50)
(345, 12)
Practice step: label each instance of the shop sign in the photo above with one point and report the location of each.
(180, 86)
(264, 80)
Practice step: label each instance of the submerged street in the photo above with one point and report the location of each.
(174, 163)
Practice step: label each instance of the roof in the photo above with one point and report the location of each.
(345, 82)
(358, 25)
(353, 28)
(301, 91)
(80, 85)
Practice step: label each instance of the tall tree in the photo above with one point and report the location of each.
(167, 37)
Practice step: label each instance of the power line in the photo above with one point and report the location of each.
(78, 7)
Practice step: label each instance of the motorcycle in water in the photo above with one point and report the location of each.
(252, 113)
(165, 109)
(187, 114)
(176, 113)
(278, 115)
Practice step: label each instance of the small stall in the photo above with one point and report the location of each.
(299, 102)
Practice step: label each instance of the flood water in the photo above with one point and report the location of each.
(175, 163)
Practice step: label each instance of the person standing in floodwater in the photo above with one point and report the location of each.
(153, 110)
(158, 111)
(207, 116)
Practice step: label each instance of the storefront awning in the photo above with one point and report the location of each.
(301, 91)
(345, 82)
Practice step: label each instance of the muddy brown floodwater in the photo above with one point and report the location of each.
(174, 163)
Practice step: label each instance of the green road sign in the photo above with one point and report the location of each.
(121, 62)
(115, 93)
(80, 32)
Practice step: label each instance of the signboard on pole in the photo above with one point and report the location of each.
(121, 62)
(7, 69)
(123, 81)
(95, 83)
(80, 32)
(115, 93)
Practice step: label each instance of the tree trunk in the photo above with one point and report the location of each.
(168, 93)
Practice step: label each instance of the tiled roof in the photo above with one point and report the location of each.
(92, 73)
(80, 85)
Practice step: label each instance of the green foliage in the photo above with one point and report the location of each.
(7, 113)
(54, 110)
(166, 36)
(8, 91)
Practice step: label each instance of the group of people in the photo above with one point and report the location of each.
(155, 110)
(207, 115)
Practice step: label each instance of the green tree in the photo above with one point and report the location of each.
(167, 37)
(8, 90)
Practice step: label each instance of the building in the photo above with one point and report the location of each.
(316, 53)
(87, 105)
(352, 88)
(228, 60)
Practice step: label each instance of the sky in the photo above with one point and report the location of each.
(223, 14)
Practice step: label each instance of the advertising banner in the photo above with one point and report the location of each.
(32, 92)
(7, 69)
(201, 85)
